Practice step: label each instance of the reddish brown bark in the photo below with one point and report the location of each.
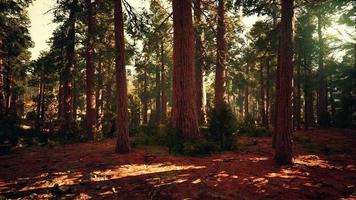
(199, 60)
(99, 98)
(90, 94)
(122, 144)
(283, 123)
(184, 114)
(68, 72)
(221, 55)
(2, 71)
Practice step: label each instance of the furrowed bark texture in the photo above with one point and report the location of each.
(283, 123)
(184, 114)
(122, 144)
(90, 94)
(221, 55)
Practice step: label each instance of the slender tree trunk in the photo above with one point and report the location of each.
(322, 93)
(122, 144)
(199, 60)
(68, 71)
(163, 86)
(60, 98)
(43, 102)
(2, 85)
(39, 101)
(90, 94)
(247, 95)
(8, 91)
(184, 114)
(221, 55)
(268, 95)
(297, 98)
(144, 99)
(99, 98)
(158, 92)
(283, 126)
(263, 97)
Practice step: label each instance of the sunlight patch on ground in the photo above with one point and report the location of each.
(141, 169)
(311, 161)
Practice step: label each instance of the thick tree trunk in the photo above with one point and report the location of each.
(221, 55)
(199, 60)
(90, 94)
(122, 144)
(68, 72)
(2, 85)
(322, 93)
(163, 86)
(184, 114)
(283, 126)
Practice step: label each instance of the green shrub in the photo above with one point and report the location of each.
(222, 125)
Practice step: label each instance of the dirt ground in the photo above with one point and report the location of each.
(324, 168)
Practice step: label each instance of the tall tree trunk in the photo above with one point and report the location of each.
(297, 98)
(184, 114)
(2, 85)
(122, 144)
(90, 94)
(221, 55)
(60, 97)
(158, 92)
(99, 98)
(8, 91)
(283, 126)
(199, 60)
(68, 71)
(322, 93)
(263, 97)
(39, 101)
(247, 95)
(268, 95)
(163, 86)
(144, 99)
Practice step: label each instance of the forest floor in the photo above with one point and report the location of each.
(324, 168)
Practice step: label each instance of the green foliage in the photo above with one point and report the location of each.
(248, 127)
(222, 125)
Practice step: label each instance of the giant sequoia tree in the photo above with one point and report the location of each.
(90, 97)
(283, 119)
(122, 122)
(221, 55)
(184, 114)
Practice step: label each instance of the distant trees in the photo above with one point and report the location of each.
(14, 55)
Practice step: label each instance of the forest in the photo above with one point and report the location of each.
(179, 99)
